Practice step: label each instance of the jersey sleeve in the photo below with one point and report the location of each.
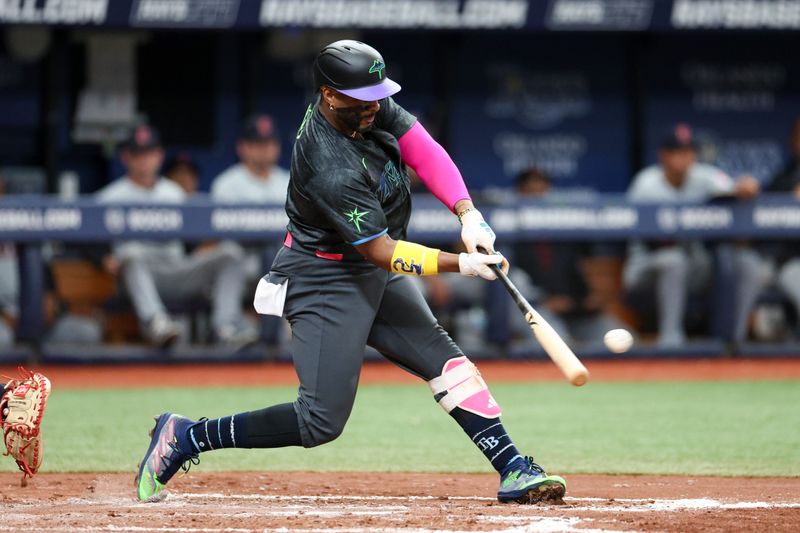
(393, 118)
(347, 201)
(717, 182)
(638, 190)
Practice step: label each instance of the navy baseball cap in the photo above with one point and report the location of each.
(681, 137)
(259, 128)
(142, 139)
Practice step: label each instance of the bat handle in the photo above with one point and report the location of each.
(521, 302)
(497, 269)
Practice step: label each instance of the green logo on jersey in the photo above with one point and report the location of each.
(302, 128)
(377, 66)
(355, 216)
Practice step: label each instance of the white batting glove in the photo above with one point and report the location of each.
(477, 264)
(476, 232)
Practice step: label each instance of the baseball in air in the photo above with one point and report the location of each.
(618, 340)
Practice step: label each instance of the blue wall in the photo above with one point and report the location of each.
(587, 108)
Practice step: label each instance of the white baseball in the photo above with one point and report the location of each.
(618, 340)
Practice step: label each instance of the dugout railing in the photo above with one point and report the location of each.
(31, 222)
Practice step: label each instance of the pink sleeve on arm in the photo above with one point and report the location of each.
(434, 167)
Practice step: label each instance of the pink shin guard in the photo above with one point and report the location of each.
(465, 389)
(433, 166)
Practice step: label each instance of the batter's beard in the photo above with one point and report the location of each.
(351, 118)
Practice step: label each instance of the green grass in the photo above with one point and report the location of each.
(724, 428)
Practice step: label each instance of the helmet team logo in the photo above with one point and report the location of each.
(355, 216)
(377, 66)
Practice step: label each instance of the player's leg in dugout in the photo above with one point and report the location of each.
(140, 285)
(214, 272)
(406, 332)
(666, 270)
(789, 281)
(752, 275)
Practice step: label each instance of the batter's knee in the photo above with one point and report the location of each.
(322, 432)
(319, 426)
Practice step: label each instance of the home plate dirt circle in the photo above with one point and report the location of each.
(365, 502)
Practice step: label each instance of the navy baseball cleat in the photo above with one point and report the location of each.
(523, 481)
(169, 451)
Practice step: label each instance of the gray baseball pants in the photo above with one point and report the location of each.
(216, 273)
(674, 272)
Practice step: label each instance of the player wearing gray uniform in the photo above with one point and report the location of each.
(9, 292)
(156, 271)
(676, 268)
(784, 255)
(257, 178)
(342, 282)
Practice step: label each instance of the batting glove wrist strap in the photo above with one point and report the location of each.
(475, 231)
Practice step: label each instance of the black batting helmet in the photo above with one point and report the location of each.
(355, 69)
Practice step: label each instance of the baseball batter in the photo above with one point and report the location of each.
(342, 279)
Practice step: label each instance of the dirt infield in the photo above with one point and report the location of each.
(260, 374)
(379, 502)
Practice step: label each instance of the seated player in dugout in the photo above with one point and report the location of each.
(343, 280)
(674, 269)
(156, 273)
(255, 178)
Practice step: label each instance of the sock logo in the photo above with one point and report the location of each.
(488, 443)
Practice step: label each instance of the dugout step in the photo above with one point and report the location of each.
(72, 354)
(768, 349)
(694, 349)
(16, 355)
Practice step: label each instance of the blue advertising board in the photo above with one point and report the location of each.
(740, 106)
(555, 15)
(545, 104)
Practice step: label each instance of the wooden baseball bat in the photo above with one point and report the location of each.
(553, 344)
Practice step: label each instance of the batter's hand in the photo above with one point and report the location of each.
(477, 264)
(476, 232)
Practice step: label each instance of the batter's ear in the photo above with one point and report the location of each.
(328, 95)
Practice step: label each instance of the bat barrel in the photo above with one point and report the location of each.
(555, 347)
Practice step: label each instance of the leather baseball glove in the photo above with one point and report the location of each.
(21, 408)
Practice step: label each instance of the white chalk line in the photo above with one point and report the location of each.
(644, 504)
(611, 505)
(526, 518)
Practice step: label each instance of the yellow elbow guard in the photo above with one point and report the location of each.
(414, 259)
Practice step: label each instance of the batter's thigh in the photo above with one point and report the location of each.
(406, 332)
(330, 323)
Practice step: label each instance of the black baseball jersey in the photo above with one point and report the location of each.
(343, 191)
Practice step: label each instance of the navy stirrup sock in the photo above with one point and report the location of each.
(273, 427)
(489, 435)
